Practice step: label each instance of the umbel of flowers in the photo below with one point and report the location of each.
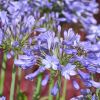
(63, 57)
(58, 54)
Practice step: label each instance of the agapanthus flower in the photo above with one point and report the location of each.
(51, 62)
(94, 97)
(2, 98)
(17, 25)
(72, 47)
(76, 85)
(95, 84)
(64, 55)
(71, 38)
(15, 7)
(84, 75)
(55, 89)
(80, 97)
(47, 37)
(79, 11)
(8, 56)
(40, 30)
(94, 29)
(85, 91)
(4, 18)
(93, 33)
(34, 74)
(1, 36)
(92, 69)
(70, 51)
(98, 69)
(45, 80)
(88, 46)
(68, 70)
(43, 4)
(87, 83)
(25, 61)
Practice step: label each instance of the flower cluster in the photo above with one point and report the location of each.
(17, 24)
(66, 56)
(58, 52)
(72, 11)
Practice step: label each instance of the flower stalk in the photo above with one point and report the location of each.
(50, 87)
(12, 88)
(64, 90)
(38, 88)
(3, 73)
(59, 85)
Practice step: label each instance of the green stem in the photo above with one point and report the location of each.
(3, 73)
(98, 93)
(59, 85)
(13, 83)
(19, 79)
(38, 88)
(50, 87)
(64, 90)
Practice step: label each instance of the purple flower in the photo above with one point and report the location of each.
(51, 62)
(94, 97)
(4, 17)
(2, 98)
(55, 89)
(45, 80)
(33, 75)
(29, 22)
(15, 43)
(27, 51)
(48, 38)
(25, 61)
(59, 29)
(70, 51)
(15, 7)
(88, 46)
(91, 55)
(98, 69)
(85, 76)
(8, 55)
(80, 97)
(94, 32)
(68, 70)
(92, 37)
(40, 29)
(76, 85)
(69, 35)
(43, 4)
(71, 38)
(74, 11)
(95, 84)
(1, 36)
(91, 69)
(87, 83)
(70, 17)
(85, 91)
(95, 61)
